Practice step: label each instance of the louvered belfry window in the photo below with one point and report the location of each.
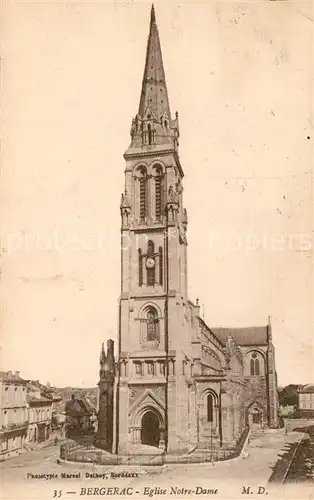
(158, 193)
(143, 197)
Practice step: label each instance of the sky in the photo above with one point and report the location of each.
(240, 76)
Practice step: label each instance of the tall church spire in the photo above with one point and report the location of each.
(153, 124)
(154, 95)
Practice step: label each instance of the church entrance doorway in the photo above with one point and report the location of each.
(150, 431)
(256, 419)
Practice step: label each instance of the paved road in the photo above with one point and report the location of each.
(228, 477)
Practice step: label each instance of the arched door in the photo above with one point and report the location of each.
(256, 418)
(150, 432)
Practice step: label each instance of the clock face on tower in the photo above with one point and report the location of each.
(150, 263)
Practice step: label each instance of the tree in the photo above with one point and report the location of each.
(289, 395)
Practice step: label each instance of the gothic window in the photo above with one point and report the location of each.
(254, 364)
(152, 325)
(150, 270)
(158, 194)
(140, 268)
(150, 135)
(161, 264)
(210, 408)
(142, 179)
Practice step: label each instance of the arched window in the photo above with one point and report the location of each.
(210, 408)
(161, 266)
(142, 179)
(158, 194)
(254, 364)
(150, 135)
(152, 325)
(151, 269)
(140, 268)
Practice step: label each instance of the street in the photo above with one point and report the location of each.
(252, 470)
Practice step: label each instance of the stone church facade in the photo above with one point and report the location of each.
(178, 384)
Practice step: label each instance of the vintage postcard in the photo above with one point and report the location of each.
(156, 343)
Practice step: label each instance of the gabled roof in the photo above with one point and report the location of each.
(247, 336)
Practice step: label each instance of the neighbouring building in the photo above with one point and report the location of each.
(80, 417)
(40, 413)
(178, 384)
(306, 401)
(13, 414)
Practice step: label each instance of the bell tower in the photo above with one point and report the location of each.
(153, 335)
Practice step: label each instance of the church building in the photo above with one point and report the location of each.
(177, 384)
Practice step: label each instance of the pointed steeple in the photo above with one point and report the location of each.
(152, 15)
(154, 95)
(153, 126)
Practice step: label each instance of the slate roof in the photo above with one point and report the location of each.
(251, 335)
